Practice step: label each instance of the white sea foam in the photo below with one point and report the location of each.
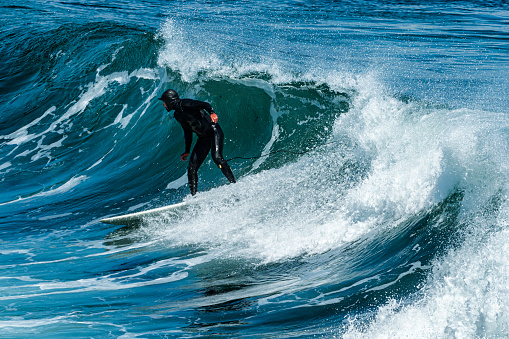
(420, 155)
(5, 165)
(110, 282)
(414, 163)
(193, 54)
(466, 297)
(415, 155)
(63, 122)
(175, 184)
(64, 188)
(13, 325)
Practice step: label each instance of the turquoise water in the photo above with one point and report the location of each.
(388, 218)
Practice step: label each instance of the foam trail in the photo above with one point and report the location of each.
(64, 188)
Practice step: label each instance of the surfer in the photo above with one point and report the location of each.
(198, 117)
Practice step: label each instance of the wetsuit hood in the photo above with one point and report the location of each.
(170, 97)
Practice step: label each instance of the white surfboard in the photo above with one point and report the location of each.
(138, 217)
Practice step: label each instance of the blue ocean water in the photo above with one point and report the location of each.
(391, 223)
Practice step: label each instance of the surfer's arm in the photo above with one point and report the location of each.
(188, 137)
(208, 108)
(213, 115)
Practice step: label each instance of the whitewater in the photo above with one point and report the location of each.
(370, 143)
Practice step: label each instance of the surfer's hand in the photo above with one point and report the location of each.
(214, 118)
(184, 156)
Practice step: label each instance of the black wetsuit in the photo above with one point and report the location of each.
(192, 115)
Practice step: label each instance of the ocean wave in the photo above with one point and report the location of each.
(368, 208)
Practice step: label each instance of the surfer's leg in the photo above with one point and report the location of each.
(200, 151)
(217, 153)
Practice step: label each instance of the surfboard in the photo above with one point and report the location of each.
(138, 217)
